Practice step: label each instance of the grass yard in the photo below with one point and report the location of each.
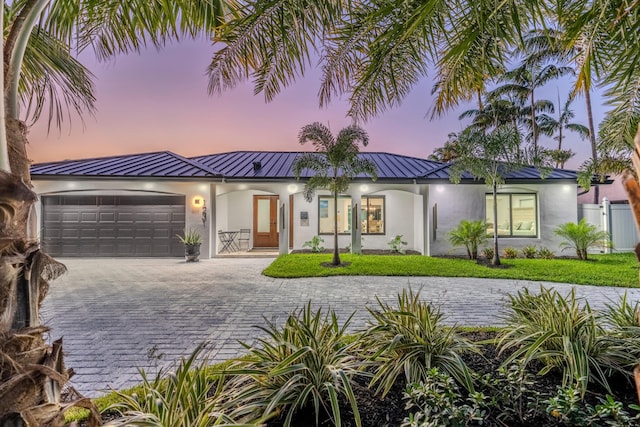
(600, 270)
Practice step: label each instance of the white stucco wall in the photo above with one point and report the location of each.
(556, 205)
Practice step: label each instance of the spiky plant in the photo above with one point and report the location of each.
(303, 364)
(192, 396)
(564, 334)
(410, 339)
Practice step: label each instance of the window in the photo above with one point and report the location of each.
(517, 215)
(372, 214)
(325, 214)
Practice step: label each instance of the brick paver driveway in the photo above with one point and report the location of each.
(120, 314)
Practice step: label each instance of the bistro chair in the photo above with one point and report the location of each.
(243, 237)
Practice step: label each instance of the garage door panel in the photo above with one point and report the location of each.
(70, 216)
(111, 226)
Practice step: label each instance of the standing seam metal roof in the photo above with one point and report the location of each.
(273, 165)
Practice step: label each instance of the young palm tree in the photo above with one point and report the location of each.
(334, 163)
(38, 71)
(488, 156)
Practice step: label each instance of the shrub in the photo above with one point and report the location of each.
(510, 253)
(568, 408)
(409, 340)
(439, 403)
(303, 365)
(529, 252)
(545, 253)
(581, 237)
(314, 244)
(470, 234)
(189, 397)
(396, 244)
(563, 333)
(513, 395)
(487, 252)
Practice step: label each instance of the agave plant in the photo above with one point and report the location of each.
(564, 333)
(305, 364)
(192, 396)
(410, 339)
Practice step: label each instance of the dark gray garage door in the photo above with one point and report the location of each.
(113, 226)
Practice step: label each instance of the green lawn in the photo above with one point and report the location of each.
(601, 270)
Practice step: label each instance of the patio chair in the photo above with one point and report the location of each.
(244, 237)
(227, 240)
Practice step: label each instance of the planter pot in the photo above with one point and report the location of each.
(192, 252)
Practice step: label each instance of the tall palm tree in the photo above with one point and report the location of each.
(39, 70)
(522, 82)
(334, 163)
(549, 126)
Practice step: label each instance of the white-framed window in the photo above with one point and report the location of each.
(372, 214)
(517, 214)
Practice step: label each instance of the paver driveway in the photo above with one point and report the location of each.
(120, 314)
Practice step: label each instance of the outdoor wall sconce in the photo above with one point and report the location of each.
(198, 202)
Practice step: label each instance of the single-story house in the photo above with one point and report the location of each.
(134, 205)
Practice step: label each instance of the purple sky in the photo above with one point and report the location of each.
(158, 101)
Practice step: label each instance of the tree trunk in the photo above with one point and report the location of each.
(32, 373)
(496, 254)
(592, 139)
(336, 253)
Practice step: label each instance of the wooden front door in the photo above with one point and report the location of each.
(265, 221)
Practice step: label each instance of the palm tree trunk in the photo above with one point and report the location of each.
(592, 139)
(534, 129)
(496, 254)
(336, 254)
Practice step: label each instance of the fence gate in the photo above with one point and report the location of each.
(617, 220)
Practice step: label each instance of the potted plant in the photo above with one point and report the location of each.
(191, 241)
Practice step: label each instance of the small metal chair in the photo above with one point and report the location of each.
(244, 237)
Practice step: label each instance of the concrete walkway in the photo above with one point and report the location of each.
(117, 315)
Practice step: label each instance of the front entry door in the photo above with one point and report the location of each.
(265, 221)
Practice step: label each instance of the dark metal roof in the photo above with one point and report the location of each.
(259, 165)
(277, 165)
(525, 173)
(163, 164)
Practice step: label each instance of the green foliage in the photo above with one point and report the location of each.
(410, 339)
(603, 270)
(190, 237)
(189, 397)
(487, 252)
(545, 253)
(513, 394)
(568, 409)
(305, 364)
(563, 333)
(396, 244)
(470, 234)
(314, 244)
(581, 237)
(529, 252)
(510, 253)
(437, 402)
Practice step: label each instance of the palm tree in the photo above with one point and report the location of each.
(448, 152)
(38, 71)
(522, 82)
(488, 156)
(335, 163)
(549, 126)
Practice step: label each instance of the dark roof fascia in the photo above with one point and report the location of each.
(305, 179)
(124, 178)
(509, 181)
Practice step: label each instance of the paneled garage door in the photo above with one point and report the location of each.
(113, 226)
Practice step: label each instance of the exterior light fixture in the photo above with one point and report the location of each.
(364, 187)
(292, 188)
(198, 202)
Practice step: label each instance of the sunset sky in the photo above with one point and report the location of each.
(158, 101)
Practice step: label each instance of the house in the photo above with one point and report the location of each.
(134, 205)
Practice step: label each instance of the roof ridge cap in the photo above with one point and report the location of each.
(194, 163)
